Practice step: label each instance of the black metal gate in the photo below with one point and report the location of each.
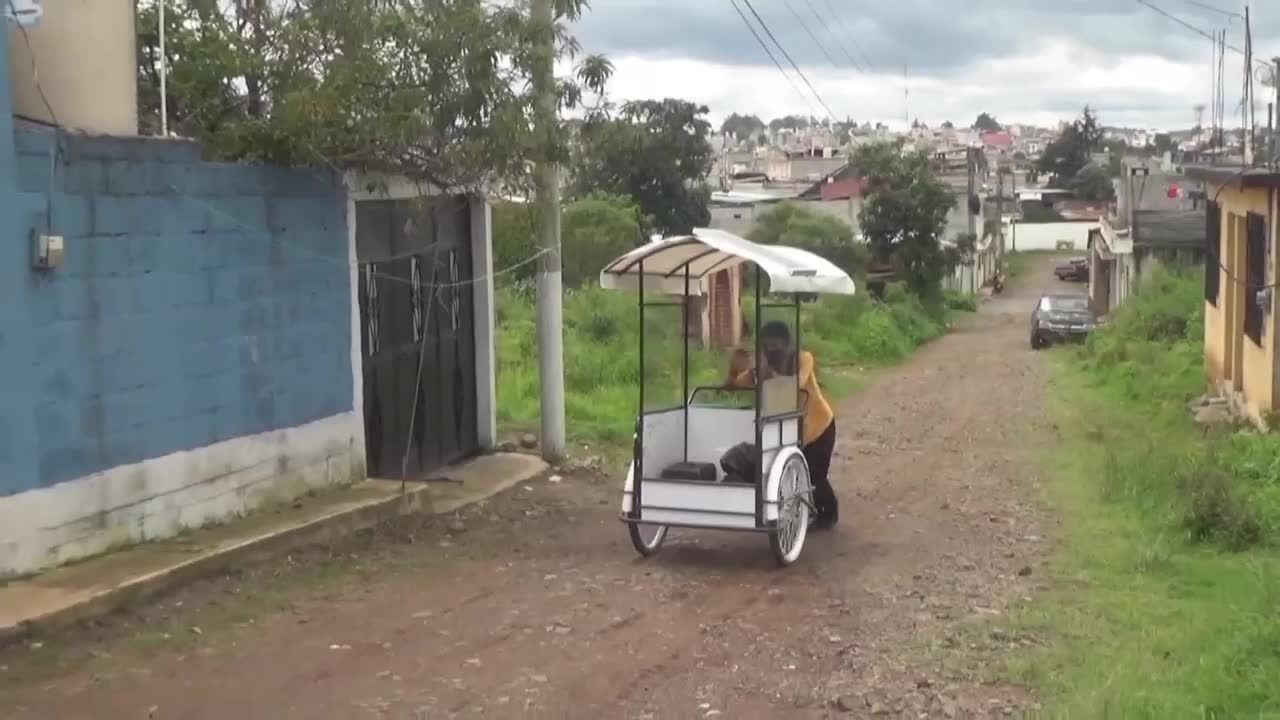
(418, 334)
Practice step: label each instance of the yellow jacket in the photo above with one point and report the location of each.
(818, 414)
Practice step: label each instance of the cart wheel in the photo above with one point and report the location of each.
(794, 497)
(647, 539)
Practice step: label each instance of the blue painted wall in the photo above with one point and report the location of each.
(198, 302)
(17, 436)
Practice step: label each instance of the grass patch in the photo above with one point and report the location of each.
(1166, 599)
(849, 335)
(1019, 262)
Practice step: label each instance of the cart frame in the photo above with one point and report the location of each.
(706, 504)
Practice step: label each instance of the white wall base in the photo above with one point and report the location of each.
(157, 498)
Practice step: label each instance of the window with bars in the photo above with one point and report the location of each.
(1212, 252)
(1255, 275)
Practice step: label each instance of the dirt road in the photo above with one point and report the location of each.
(535, 605)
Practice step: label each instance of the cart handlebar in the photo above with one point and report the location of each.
(804, 394)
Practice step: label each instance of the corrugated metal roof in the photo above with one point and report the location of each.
(1170, 227)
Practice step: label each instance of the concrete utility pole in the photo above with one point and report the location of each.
(1000, 209)
(906, 99)
(1275, 85)
(1017, 209)
(1248, 90)
(547, 189)
(973, 219)
(164, 75)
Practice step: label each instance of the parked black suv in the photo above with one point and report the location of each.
(1060, 317)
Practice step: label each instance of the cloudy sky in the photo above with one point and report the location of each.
(1033, 61)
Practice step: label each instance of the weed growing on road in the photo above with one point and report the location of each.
(959, 301)
(1017, 264)
(1168, 580)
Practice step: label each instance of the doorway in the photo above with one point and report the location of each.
(417, 334)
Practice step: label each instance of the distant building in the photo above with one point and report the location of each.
(1000, 140)
(1158, 220)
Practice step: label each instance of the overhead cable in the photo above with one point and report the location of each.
(765, 26)
(776, 64)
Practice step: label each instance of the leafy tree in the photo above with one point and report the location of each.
(1094, 183)
(986, 123)
(904, 215)
(1089, 130)
(948, 125)
(1073, 148)
(794, 122)
(742, 126)
(961, 250)
(515, 231)
(439, 91)
(843, 129)
(1163, 143)
(825, 235)
(594, 230)
(654, 151)
(1115, 165)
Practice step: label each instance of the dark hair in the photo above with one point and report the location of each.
(776, 330)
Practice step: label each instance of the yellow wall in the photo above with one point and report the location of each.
(1254, 384)
(86, 56)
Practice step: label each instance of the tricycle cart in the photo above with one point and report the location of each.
(677, 476)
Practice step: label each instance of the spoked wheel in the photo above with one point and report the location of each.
(794, 499)
(647, 539)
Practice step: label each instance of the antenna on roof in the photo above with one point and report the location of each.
(906, 99)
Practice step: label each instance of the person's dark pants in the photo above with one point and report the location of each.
(818, 455)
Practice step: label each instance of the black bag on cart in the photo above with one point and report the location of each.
(705, 472)
(740, 464)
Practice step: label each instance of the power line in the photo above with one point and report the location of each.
(838, 41)
(811, 34)
(1193, 28)
(765, 26)
(1210, 8)
(769, 52)
(852, 38)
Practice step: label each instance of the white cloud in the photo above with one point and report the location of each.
(1052, 84)
(1017, 59)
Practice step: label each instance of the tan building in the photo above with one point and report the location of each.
(1240, 319)
(86, 55)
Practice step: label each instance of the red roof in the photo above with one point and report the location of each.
(1080, 209)
(842, 189)
(997, 139)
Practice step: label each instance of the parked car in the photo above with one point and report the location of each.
(1059, 317)
(1075, 269)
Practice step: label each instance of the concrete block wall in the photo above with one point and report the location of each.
(191, 360)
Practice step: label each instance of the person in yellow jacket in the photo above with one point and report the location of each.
(819, 439)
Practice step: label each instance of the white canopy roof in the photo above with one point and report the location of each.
(707, 251)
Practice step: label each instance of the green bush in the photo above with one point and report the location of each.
(601, 330)
(1151, 356)
(959, 301)
(1215, 510)
(593, 231)
(789, 223)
